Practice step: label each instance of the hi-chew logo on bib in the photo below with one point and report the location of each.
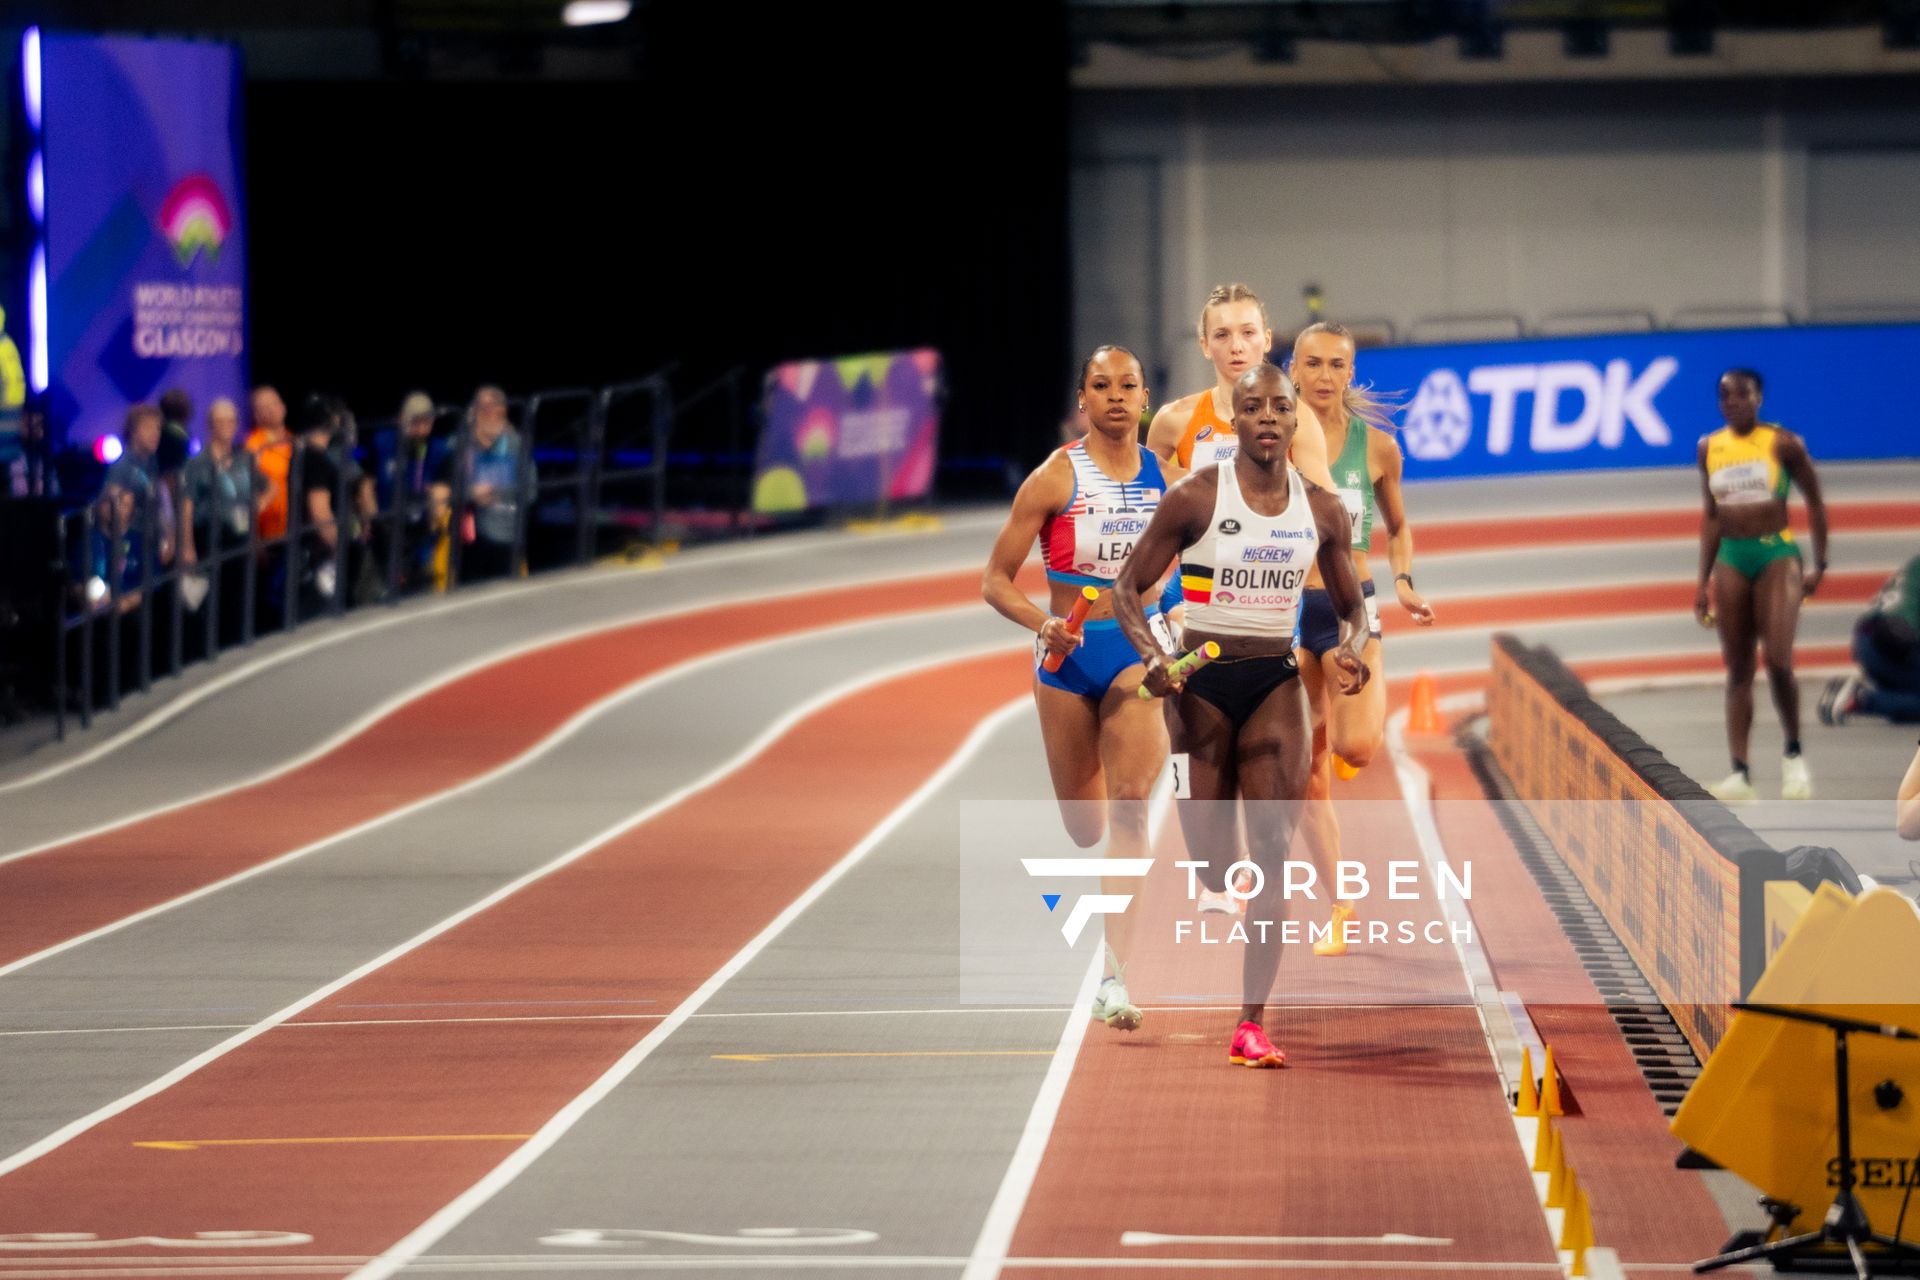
(1266, 554)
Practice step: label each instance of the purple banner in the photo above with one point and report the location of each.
(135, 184)
(849, 432)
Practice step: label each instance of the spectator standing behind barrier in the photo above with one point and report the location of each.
(272, 450)
(406, 456)
(136, 473)
(321, 529)
(176, 444)
(217, 487)
(490, 465)
(1886, 644)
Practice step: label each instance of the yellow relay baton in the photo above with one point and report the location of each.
(1188, 663)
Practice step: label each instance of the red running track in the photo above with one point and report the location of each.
(612, 925)
(446, 736)
(1385, 1120)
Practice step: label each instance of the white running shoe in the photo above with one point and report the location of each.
(1224, 902)
(1221, 903)
(1113, 1006)
(1796, 783)
(1735, 788)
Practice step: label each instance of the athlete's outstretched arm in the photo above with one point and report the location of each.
(1343, 588)
(1393, 513)
(1709, 542)
(1177, 524)
(1049, 488)
(1792, 453)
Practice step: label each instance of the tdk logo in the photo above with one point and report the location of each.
(1264, 554)
(1603, 404)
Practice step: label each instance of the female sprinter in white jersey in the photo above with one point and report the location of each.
(1246, 535)
(1087, 504)
(1196, 431)
(1365, 461)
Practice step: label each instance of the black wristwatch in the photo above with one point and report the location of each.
(1404, 577)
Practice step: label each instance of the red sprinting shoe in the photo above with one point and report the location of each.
(1251, 1048)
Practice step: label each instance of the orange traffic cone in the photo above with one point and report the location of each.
(1576, 1227)
(1550, 1104)
(1422, 715)
(1560, 1179)
(1543, 1143)
(1528, 1103)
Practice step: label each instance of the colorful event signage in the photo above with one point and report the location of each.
(1640, 400)
(139, 277)
(848, 432)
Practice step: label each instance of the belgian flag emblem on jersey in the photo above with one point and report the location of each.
(1196, 583)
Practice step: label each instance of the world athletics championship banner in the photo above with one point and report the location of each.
(849, 432)
(145, 238)
(1636, 400)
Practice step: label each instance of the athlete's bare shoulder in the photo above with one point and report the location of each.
(1189, 500)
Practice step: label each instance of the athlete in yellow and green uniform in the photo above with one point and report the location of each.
(1751, 576)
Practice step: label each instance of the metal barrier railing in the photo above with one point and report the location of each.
(392, 524)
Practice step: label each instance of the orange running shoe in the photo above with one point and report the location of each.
(1251, 1048)
(1335, 943)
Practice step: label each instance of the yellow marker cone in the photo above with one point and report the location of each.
(1559, 1175)
(1571, 1234)
(1543, 1143)
(1550, 1087)
(1344, 771)
(1529, 1101)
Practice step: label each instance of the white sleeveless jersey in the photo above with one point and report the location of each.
(1246, 575)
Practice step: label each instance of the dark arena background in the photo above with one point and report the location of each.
(531, 534)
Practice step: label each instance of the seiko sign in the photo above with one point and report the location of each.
(1558, 407)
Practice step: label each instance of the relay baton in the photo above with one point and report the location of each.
(1188, 663)
(1075, 616)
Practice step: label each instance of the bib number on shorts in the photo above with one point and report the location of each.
(1182, 775)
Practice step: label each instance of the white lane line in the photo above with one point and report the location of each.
(1010, 1199)
(1502, 1034)
(423, 688)
(545, 746)
(418, 1241)
(767, 737)
(362, 625)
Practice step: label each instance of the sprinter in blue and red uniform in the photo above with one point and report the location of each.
(1087, 504)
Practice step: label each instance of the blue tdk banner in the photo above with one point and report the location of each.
(1642, 400)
